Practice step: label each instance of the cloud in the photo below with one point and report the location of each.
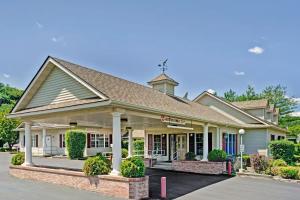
(295, 114)
(6, 75)
(256, 50)
(297, 100)
(39, 25)
(237, 73)
(211, 91)
(59, 39)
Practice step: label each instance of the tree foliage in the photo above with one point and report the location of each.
(276, 95)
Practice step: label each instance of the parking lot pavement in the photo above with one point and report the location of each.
(247, 188)
(12, 188)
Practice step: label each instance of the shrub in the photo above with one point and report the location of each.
(289, 172)
(190, 156)
(95, 166)
(246, 160)
(124, 153)
(297, 149)
(138, 146)
(75, 143)
(217, 155)
(279, 163)
(133, 167)
(259, 163)
(283, 149)
(297, 158)
(104, 158)
(18, 159)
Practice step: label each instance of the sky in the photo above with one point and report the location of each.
(217, 45)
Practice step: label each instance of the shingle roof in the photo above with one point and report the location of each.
(120, 90)
(162, 77)
(261, 103)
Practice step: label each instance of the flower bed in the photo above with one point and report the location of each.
(117, 186)
(201, 167)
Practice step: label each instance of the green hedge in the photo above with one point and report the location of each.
(138, 145)
(124, 153)
(18, 159)
(75, 143)
(96, 166)
(297, 149)
(217, 155)
(133, 167)
(283, 149)
(289, 172)
(279, 163)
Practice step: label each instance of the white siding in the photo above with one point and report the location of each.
(59, 87)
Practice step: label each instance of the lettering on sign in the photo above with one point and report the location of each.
(172, 120)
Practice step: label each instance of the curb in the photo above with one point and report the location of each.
(277, 178)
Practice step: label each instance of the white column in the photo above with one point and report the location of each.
(85, 146)
(218, 138)
(221, 138)
(187, 142)
(116, 148)
(205, 142)
(44, 141)
(145, 144)
(28, 147)
(168, 150)
(195, 142)
(130, 143)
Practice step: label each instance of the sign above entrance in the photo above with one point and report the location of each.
(172, 120)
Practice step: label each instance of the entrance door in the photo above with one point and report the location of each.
(181, 146)
(47, 148)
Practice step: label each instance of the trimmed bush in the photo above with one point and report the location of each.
(124, 153)
(289, 172)
(18, 159)
(283, 149)
(259, 163)
(190, 156)
(217, 155)
(104, 158)
(279, 163)
(297, 149)
(297, 158)
(95, 166)
(75, 143)
(133, 167)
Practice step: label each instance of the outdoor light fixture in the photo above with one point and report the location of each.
(73, 123)
(180, 127)
(242, 148)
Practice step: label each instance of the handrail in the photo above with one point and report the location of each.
(175, 155)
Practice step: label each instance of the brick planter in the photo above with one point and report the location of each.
(201, 167)
(117, 186)
(147, 162)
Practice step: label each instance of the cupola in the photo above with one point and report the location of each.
(164, 84)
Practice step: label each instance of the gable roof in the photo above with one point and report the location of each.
(163, 77)
(251, 104)
(124, 91)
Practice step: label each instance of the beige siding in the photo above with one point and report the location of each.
(260, 112)
(223, 108)
(59, 87)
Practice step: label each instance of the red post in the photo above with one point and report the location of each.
(229, 168)
(163, 183)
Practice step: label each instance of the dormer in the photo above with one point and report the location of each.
(164, 84)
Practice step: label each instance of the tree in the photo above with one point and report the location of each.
(294, 130)
(230, 95)
(7, 133)
(277, 96)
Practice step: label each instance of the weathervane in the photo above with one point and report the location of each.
(163, 66)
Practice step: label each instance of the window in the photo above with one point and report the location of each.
(62, 141)
(157, 144)
(199, 144)
(99, 140)
(230, 143)
(34, 140)
(272, 137)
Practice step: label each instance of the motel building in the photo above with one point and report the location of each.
(63, 96)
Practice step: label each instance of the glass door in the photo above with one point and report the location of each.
(181, 146)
